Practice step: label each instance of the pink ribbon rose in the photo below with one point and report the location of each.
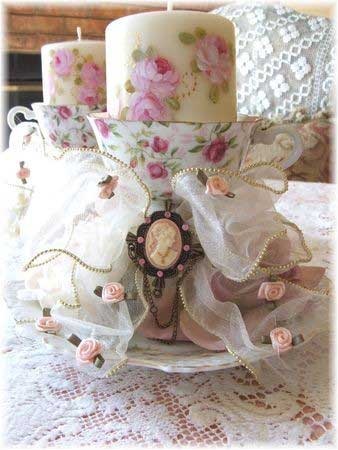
(47, 324)
(217, 185)
(281, 339)
(108, 188)
(63, 61)
(113, 293)
(146, 106)
(271, 290)
(87, 350)
(155, 75)
(23, 173)
(213, 58)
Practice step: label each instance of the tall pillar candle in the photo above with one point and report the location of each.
(73, 73)
(171, 65)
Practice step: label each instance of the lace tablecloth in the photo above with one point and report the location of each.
(49, 402)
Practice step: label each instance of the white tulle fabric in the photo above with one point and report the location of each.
(234, 233)
(67, 214)
(74, 241)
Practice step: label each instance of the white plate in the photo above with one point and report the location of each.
(181, 357)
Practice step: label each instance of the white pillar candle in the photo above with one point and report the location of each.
(171, 65)
(73, 72)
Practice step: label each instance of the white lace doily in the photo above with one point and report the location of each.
(48, 402)
(285, 59)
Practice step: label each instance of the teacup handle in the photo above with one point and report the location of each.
(268, 136)
(27, 113)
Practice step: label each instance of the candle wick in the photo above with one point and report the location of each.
(78, 31)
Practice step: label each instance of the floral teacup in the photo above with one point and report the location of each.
(157, 150)
(61, 126)
(66, 125)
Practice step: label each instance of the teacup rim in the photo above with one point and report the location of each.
(105, 116)
(81, 106)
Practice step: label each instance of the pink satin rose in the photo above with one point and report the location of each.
(281, 339)
(213, 58)
(92, 75)
(271, 290)
(102, 127)
(216, 185)
(23, 173)
(215, 151)
(159, 145)
(47, 324)
(63, 61)
(64, 112)
(108, 188)
(88, 96)
(87, 350)
(155, 75)
(113, 293)
(146, 106)
(157, 170)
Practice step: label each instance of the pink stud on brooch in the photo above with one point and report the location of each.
(147, 220)
(167, 214)
(180, 267)
(141, 261)
(185, 227)
(160, 273)
(140, 240)
(186, 247)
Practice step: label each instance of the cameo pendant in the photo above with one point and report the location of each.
(162, 247)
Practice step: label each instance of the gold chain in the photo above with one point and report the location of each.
(79, 261)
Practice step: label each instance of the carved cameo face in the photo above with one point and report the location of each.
(163, 245)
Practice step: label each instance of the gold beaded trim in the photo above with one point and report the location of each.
(19, 186)
(24, 321)
(283, 267)
(238, 174)
(77, 303)
(325, 292)
(117, 367)
(232, 352)
(77, 260)
(123, 165)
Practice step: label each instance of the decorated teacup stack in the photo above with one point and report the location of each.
(171, 97)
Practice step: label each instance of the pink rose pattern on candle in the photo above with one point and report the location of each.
(89, 77)
(154, 82)
(213, 59)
